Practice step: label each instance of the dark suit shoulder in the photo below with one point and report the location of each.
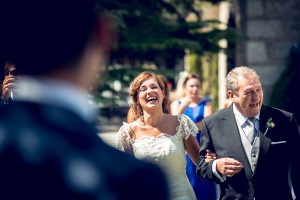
(128, 173)
(220, 114)
(273, 111)
(57, 150)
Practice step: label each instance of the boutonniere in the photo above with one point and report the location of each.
(270, 124)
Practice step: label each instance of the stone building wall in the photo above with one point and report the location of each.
(268, 28)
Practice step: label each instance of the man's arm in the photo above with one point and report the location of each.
(295, 165)
(218, 169)
(205, 169)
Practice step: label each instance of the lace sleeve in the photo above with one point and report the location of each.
(188, 126)
(123, 140)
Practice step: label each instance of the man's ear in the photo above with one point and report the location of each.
(104, 34)
(229, 94)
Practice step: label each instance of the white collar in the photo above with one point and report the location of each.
(241, 119)
(56, 92)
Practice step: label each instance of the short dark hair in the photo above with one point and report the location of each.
(8, 68)
(43, 35)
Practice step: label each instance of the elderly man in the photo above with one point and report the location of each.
(257, 146)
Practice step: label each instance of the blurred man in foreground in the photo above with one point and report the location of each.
(49, 148)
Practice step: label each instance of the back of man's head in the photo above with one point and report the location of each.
(43, 35)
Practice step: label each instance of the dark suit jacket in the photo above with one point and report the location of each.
(47, 152)
(279, 150)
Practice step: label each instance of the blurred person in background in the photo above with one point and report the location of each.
(8, 83)
(49, 146)
(196, 108)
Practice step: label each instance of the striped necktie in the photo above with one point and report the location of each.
(251, 129)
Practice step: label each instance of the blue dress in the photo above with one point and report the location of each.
(203, 189)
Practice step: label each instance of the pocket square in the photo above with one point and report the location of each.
(279, 142)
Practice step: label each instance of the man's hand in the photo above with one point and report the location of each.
(228, 166)
(210, 156)
(199, 125)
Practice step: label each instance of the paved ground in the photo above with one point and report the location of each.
(108, 128)
(108, 137)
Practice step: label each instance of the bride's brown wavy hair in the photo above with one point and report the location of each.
(134, 89)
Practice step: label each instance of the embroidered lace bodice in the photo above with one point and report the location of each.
(167, 151)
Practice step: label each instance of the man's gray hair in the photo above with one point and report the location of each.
(235, 73)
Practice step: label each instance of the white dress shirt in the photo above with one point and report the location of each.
(242, 126)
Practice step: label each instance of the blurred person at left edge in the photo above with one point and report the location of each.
(8, 83)
(49, 148)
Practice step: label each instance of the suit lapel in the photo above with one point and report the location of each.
(234, 141)
(263, 120)
(264, 140)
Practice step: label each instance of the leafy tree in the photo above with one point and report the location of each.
(156, 32)
(159, 31)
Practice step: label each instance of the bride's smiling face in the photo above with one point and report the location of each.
(150, 95)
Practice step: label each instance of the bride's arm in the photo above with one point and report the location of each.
(190, 142)
(192, 148)
(122, 138)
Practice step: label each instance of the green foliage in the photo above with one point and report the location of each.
(206, 67)
(154, 30)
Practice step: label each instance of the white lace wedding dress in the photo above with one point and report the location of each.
(167, 151)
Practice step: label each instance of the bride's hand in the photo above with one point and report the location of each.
(210, 156)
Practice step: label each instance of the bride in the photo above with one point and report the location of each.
(160, 137)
